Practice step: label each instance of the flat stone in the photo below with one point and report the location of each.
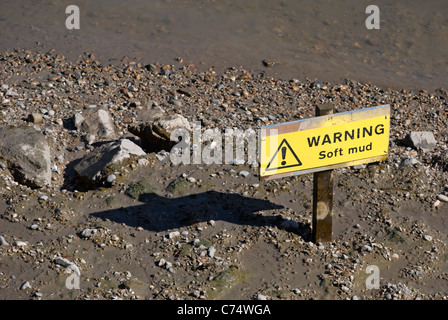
(91, 168)
(442, 198)
(421, 140)
(97, 123)
(156, 134)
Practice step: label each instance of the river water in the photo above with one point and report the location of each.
(325, 40)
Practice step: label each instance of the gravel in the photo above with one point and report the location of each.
(384, 213)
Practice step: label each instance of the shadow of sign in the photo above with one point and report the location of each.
(158, 213)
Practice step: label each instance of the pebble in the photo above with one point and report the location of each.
(243, 173)
(88, 233)
(211, 251)
(35, 118)
(395, 256)
(261, 297)
(427, 237)
(442, 198)
(143, 162)
(216, 101)
(19, 243)
(111, 178)
(237, 162)
(366, 248)
(345, 288)
(161, 262)
(3, 241)
(26, 285)
(173, 234)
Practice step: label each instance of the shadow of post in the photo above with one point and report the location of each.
(161, 214)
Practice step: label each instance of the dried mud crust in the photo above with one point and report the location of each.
(205, 231)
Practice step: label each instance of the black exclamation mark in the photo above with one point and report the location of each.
(283, 155)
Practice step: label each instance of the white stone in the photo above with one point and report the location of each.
(26, 285)
(19, 243)
(211, 251)
(88, 233)
(161, 262)
(243, 173)
(3, 241)
(143, 162)
(442, 198)
(111, 178)
(67, 264)
(173, 234)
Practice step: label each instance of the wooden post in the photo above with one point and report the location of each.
(323, 194)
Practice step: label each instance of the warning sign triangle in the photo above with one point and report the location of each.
(284, 157)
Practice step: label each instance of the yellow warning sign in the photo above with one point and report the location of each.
(325, 142)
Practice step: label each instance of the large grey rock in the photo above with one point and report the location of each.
(156, 134)
(421, 140)
(95, 123)
(91, 169)
(27, 154)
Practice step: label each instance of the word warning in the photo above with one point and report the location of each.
(324, 143)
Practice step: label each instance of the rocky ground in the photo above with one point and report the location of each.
(87, 188)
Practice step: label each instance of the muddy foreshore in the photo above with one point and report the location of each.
(164, 231)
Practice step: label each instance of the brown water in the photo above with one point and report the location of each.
(325, 40)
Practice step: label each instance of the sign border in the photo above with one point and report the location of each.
(316, 122)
